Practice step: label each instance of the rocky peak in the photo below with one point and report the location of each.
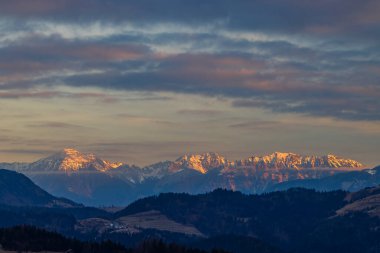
(202, 162)
(70, 160)
(280, 160)
(74, 160)
(334, 161)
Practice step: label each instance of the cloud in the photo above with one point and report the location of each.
(285, 86)
(325, 16)
(200, 112)
(342, 108)
(51, 94)
(258, 125)
(25, 151)
(316, 58)
(320, 89)
(44, 54)
(53, 124)
(143, 120)
(20, 94)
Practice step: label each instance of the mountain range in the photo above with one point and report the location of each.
(349, 181)
(88, 179)
(296, 220)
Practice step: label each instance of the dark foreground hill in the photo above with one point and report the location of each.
(23, 202)
(297, 220)
(18, 190)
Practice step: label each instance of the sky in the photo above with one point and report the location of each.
(145, 81)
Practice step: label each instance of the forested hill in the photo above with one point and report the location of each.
(31, 239)
(291, 220)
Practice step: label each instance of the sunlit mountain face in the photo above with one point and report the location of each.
(146, 81)
(71, 160)
(86, 178)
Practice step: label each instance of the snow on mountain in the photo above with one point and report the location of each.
(89, 179)
(206, 162)
(71, 160)
(202, 162)
(280, 160)
(160, 170)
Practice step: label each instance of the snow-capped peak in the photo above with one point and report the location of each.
(202, 162)
(280, 160)
(70, 160)
(337, 162)
(281, 155)
(71, 152)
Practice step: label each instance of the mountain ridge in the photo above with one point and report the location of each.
(71, 160)
(88, 179)
(278, 160)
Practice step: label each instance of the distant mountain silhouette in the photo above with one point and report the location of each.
(349, 181)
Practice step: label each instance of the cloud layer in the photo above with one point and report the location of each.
(157, 75)
(317, 58)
